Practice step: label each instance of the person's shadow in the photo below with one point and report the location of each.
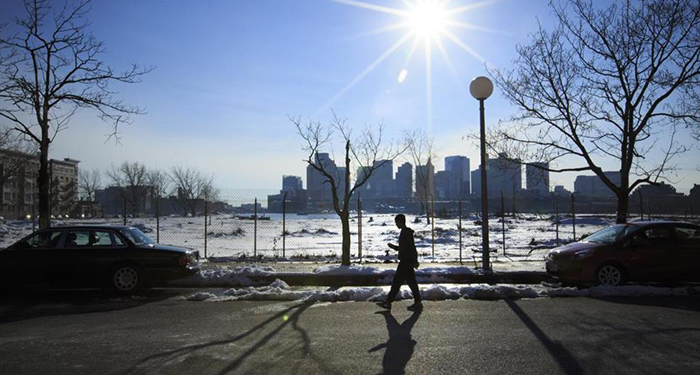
(399, 347)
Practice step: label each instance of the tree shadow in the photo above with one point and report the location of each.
(289, 317)
(399, 348)
(567, 362)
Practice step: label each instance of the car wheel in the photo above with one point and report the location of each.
(610, 275)
(127, 279)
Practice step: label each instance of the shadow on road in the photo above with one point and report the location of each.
(398, 349)
(567, 362)
(30, 304)
(287, 317)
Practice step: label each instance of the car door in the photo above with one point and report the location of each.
(648, 258)
(28, 261)
(687, 247)
(85, 256)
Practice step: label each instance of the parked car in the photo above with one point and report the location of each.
(118, 257)
(655, 251)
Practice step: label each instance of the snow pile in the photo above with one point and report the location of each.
(353, 270)
(226, 276)
(280, 291)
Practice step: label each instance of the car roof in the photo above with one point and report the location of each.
(90, 226)
(655, 222)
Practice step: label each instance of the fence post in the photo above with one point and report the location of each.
(556, 216)
(284, 225)
(206, 227)
(432, 223)
(459, 228)
(359, 227)
(124, 210)
(503, 221)
(158, 219)
(573, 216)
(255, 229)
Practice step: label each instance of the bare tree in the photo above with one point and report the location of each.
(367, 152)
(606, 84)
(50, 69)
(131, 178)
(421, 151)
(159, 183)
(89, 181)
(191, 185)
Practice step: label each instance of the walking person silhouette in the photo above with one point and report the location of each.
(408, 260)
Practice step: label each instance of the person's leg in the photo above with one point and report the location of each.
(413, 284)
(396, 284)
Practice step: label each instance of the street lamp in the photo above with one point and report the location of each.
(481, 88)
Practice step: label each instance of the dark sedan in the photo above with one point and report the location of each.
(118, 257)
(638, 251)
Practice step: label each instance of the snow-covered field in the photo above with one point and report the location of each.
(318, 236)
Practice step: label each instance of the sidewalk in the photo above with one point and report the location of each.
(233, 274)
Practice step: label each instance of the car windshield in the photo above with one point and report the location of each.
(136, 236)
(611, 234)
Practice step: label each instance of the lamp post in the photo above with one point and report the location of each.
(481, 88)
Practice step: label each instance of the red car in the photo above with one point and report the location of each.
(638, 251)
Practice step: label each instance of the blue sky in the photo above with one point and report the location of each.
(229, 73)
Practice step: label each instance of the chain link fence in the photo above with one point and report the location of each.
(263, 225)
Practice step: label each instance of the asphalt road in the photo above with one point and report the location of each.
(86, 333)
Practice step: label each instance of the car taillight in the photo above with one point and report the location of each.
(184, 260)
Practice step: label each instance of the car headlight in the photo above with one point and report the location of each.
(582, 254)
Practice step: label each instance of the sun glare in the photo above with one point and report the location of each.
(426, 22)
(427, 19)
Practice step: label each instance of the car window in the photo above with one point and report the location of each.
(43, 240)
(687, 234)
(88, 238)
(118, 240)
(136, 236)
(658, 234)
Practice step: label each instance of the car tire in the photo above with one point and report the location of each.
(127, 279)
(610, 274)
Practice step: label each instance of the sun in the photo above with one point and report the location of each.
(427, 19)
(425, 22)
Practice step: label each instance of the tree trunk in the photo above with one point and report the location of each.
(622, 206)
(345, 220)
(43, 182)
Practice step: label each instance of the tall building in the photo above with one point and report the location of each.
(459, 165)
(447, 185)
(425, 181)
(318, 188)
(593, 186)
(291, 183)
(404, 181)
(19, 191)
(476, 182)
(504, 176)
(537, 179)
(381, 182)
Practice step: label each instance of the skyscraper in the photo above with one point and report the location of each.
(537, 179)
(458, 165)
(404, 181)
(425, 181)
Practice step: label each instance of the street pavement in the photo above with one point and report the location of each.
(84, 332)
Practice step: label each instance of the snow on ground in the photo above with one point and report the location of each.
(280, 291)
(226, 276)
(317, 236)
